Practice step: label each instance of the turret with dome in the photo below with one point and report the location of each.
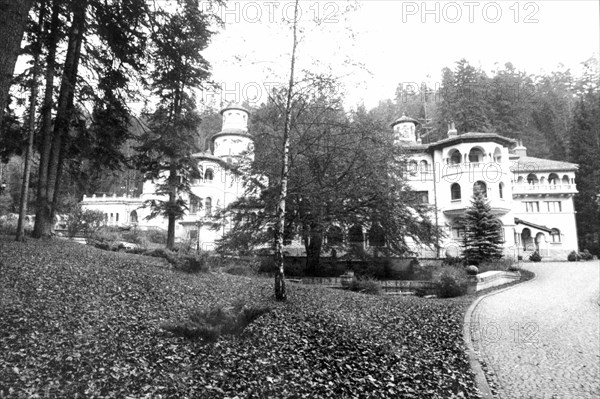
(233, 141)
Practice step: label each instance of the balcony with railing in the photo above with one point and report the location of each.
(538, 189)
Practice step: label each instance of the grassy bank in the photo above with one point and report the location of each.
(76, 321)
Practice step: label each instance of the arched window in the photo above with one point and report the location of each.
(209, 175)
(520, 180)
(423, 166)
(208, 206)
(455, 157)
(455, 191)
(480, 187)
(501, 190)
(476, 155)
(553, 178)
(133, 217)
(194, 204)
(376, 236)
(497, 155)
(565, 179)
(532, 178)
(355, 234)
(413, 167)
(334, 236)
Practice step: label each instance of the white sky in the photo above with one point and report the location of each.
(378, 44)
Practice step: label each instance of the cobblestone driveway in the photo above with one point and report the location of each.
(542, 339)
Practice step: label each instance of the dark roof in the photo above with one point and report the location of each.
(234, 106)
(532, 164)
(536, 226)
(405, 118)
(472, 137)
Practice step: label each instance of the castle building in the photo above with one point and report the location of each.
(218, 187)
(532, 197)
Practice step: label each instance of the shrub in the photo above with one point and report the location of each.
(210, 324)
(450, 281)
(160, 253)
(190, 263)
(8, 224)
(586, 255)
(535, 257)
(156, 236)
(573, 257)
(472, 270)
(453, 261)
(88, 222)
(365, 285)
(499, 264)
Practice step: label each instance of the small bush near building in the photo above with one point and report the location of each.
(209, 325)
(573, 257)
(586, 255)
(450, 281)
(365, 285)
(535, 257)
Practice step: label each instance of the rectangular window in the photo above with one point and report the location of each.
(532, 206)
(458, 233)
(554, 206)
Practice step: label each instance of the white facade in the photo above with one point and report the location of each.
(532, 197)
(218, 187)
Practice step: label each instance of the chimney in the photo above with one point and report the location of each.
(520, 150)
(452, 132)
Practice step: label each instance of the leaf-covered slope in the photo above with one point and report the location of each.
(77, 321)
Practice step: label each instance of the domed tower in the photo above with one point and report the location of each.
(405, 131)
(233, 141)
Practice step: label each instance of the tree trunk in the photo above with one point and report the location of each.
(48, 197)
(280, 291)
(31, 122)
(170, 214)
(13, 19)
(42, 224)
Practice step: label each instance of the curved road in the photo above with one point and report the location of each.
(541, 339)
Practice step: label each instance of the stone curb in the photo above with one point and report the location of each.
(480, 378)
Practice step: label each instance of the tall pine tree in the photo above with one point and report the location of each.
(179, 37)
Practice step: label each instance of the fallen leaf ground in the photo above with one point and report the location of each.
(76, 321)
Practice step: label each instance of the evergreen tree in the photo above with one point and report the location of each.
(584, 149)
(483, 232)
(179, 37)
